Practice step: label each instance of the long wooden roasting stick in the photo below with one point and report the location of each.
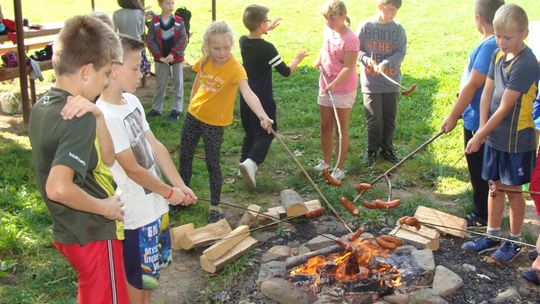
(385, 174)
(334, 211)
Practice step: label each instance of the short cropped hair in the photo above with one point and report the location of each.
(85, 40)
(395, 3)
(334, 8)
(103, 17)
(508, 14)
(254, 15)
(487, 8)
(131, 4)
(130, 43)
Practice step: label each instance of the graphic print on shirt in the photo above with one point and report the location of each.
(138, 142)
(210, 83)
(382, 44)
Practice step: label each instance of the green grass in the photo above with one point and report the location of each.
(440, 35)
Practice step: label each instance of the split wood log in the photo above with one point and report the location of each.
(442, 220)
(301, 259)
(313, 204)
(177, 232)
(204, 235)
(423, 238)
(250, 216)
(213, 266)
(292, 202)
(229, 241)
(279, 210)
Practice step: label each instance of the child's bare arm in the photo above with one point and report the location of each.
(274, 23)
(348, 67)
(143, 177)
(296, 61)
(166, 165)
(60, 188)
(77, 106)
(474, 83)
(485, 101)
(255, 105)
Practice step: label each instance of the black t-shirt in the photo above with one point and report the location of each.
(70, 143)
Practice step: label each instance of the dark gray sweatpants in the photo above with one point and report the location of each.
(381, 111)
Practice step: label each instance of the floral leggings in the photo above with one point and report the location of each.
(212, 139)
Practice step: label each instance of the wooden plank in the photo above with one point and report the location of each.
(415, 238)
(12, 73)
(29, 44)
(279, 210)
(47, 29)
(203, 235)
(215, 251)
(313, 204)
(176, 233)
(442, 220)
(214, 266)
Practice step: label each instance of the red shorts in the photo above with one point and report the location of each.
(100, 271)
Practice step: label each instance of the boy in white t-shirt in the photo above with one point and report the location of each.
(140, 160)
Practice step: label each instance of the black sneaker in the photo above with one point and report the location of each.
(214, 216)
(390, 156)
(533, 254)
(474, 221)
(174, 115)
(153, 113)
(370, 158)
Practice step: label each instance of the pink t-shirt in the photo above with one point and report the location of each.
(333, 58)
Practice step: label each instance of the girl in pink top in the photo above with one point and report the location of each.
(338, 83)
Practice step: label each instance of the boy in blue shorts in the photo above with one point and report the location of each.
(140, 160)
(507, 128)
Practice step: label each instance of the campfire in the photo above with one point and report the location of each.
(367, 268)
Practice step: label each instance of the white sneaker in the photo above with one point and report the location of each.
(322, 165)
(248, 168)
(338, 174)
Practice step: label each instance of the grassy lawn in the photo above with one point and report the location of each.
(440, 35)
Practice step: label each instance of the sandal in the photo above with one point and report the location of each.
(532, 276)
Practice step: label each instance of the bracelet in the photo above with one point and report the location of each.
(171, 192)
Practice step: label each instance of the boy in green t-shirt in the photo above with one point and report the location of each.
(70, 153)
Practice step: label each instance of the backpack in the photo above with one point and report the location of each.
(186, 16)
(10, 59)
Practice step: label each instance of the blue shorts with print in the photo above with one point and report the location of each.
(513, 169)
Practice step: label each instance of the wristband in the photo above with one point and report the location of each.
(171, 192)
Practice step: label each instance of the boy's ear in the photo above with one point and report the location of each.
(86, 70)
(525, 33)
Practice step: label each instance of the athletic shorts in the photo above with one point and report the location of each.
(342, 101)
(100, 271)
(513, 169)
(146, 250)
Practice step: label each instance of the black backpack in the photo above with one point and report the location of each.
(186, 16)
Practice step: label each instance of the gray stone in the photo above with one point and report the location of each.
(321, 242)
(507, 296)
(446, 282)
(328, 299)
(276, 253)
(270, 270)
(469, 267)
(284, 292)
(9, 103)
(401, 298)
(424, 259)
(405, 249)
(427, 296)
(303, 250)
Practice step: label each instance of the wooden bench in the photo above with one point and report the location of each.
(34, 39)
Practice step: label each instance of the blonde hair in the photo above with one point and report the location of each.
(85, 40)
(508, 14)
(334, 8)
(215, 28)
(487, 8)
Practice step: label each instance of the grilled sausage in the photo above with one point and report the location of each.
(386, 205)
(385, 244)
(380, 204)
(369, 205)
(329, 179)
(314, 213)
(356, 234)
(360, 188)
(392, 239)
(349, 206)
(410, 221)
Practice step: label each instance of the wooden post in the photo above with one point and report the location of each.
(213, 10)
(23, 78)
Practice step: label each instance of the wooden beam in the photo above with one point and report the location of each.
(213, 266)
(204, 235)
(423, 238)
(177, 232)
(442, 220)
(215, 251)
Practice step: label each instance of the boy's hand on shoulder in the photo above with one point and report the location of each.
(274, 23)
(177, 196)
(115, 208)
(77, 106)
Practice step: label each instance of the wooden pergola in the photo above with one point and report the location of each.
(23, 79)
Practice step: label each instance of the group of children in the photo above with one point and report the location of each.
(75, 141)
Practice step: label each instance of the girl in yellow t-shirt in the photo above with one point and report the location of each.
(214, 90)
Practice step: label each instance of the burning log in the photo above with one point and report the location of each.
(204, 235)
(301, 259)
(292, 202)
(213, 266)
(232, 239)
